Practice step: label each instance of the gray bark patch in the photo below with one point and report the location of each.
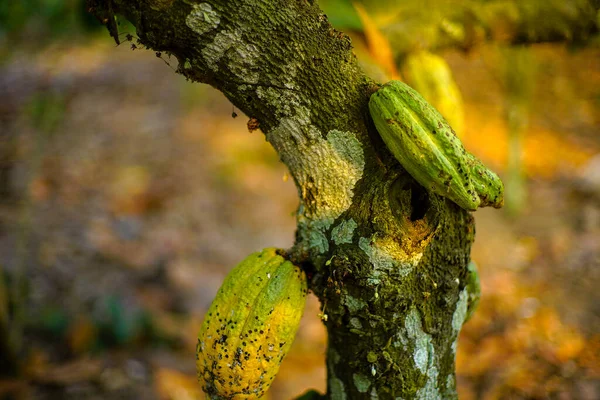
(344, 232)
(361, 382)
(202, 19)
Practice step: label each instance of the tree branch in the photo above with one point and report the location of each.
(388, 260)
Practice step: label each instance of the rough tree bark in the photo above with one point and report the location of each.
(387, 260)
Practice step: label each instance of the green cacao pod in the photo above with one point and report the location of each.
(427, 147)
(487, 184)
(250, 326)
(430, 75)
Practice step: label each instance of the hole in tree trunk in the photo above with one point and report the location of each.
(414, 209)
(419, 203)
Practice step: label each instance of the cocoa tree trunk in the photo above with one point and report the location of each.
(387, 260)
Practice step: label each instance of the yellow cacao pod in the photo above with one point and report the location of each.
(250, 326)
(431, 76)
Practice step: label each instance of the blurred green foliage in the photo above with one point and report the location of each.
(44, 20)
(341, 14)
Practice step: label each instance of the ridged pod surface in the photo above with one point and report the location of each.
(250, 326)
(427, 147)
(430, 75)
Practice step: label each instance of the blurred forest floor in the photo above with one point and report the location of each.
(128, 193)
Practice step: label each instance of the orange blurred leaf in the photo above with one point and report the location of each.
(129, 190)
(379, 46)
(82, 335)
(39, 189)
(545, 152)
(570, 346)
(589, 358)
(174, 385)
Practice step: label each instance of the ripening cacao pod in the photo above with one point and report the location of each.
(430, 75)
(487, 184)
(427, 147)
(250, 326)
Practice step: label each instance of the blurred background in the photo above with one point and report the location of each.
(127, 194)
